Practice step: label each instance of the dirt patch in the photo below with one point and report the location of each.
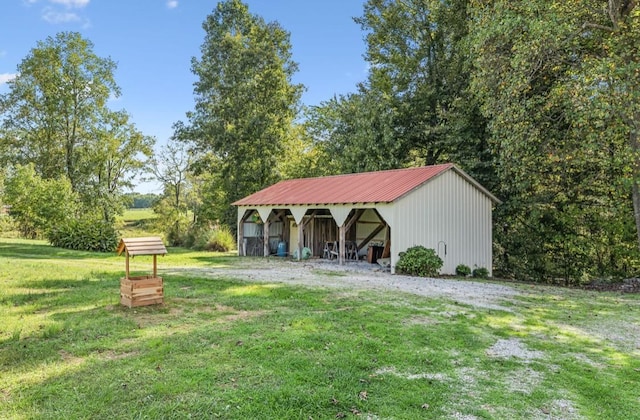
(420, 320)
(357, 276)
(513, 347)
(523, 380)
(558, 409)
(411, 376)
(70, 358)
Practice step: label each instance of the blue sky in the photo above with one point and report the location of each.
(153, 42)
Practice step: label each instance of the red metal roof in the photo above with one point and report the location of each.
(366, 187)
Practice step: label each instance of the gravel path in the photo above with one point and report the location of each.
(357, 276)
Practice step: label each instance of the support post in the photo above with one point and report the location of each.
(341, 246)
(126, 271)
(155, 266)
(241, 252)
(300, 239)
(267, 249)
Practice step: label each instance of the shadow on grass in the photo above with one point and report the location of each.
(22, 250)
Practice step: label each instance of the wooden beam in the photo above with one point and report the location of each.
(342, 245)
(241, 249)
(356, 216)
(280, 216)
(265, 237)
(311, 216)
(300, 240)
(386, 252)
(372, 235)
(126, 271)
(155, 266)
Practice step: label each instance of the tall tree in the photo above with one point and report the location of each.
(560, 143)
(54, 102)
(245, 101)
(419, 72)
(355, 133)
(55, 115)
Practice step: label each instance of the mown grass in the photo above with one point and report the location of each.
(223, 348)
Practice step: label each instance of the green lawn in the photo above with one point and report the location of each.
(223, 348)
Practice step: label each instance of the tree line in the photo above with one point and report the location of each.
(537, 100)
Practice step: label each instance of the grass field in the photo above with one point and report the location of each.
(138, 222)
(138, 214)
(222, 348)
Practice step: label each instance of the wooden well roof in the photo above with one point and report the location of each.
(142, 246)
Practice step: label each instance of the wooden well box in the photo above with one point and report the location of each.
(141, 290)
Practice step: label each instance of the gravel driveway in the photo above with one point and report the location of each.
(357, 276)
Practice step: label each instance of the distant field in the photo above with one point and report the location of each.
(138, 214)
(139, 222)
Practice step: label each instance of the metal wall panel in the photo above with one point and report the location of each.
(447, 213)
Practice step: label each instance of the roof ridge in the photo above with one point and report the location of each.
(370, 172)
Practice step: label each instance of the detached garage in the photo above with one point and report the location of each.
(372, 214)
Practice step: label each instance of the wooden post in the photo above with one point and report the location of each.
(155, 266)
(342, 244)
(126, 271)
(241, 237)
(267, 249)
(300, 238)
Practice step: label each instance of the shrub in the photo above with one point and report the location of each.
(419, 261)
(480, 272)
(8, 226)
(86, 234)
(37, 204)
(176, 231)
(217, 239)
(463, 270)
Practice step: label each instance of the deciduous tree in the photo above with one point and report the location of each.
(245, 102)
(56, 116)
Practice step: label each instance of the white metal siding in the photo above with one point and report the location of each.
(447, 210)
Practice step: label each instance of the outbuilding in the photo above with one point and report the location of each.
(349, 216)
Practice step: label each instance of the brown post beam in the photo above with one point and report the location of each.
(354, 219)
(265, 231)
(372, 235)
(342, 245)
(241, 234)
(300, 238)
(155, 266)
(126, 271)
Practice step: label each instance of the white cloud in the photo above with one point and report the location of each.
(72, 4)
(5, 77)
(53, 16)
(172, 4)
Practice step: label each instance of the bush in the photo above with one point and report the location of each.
(177, 231)
(85, 234)
(217, 239)
(37, 204)
(419, 261)
(463, 270)
(8, 226)
(480, 272)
